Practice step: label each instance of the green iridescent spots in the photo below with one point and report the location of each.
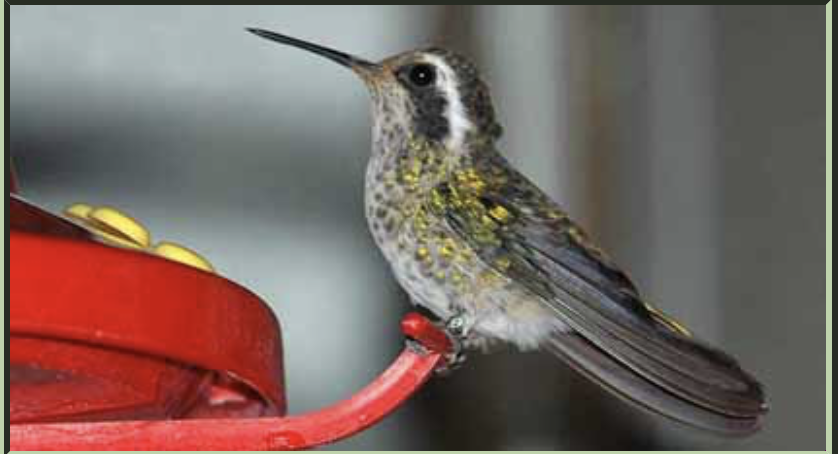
(465, 193)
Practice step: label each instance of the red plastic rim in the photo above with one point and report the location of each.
(131, 301)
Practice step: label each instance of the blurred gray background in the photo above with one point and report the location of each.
(689, 140)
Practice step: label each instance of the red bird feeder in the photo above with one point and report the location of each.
(116, 349)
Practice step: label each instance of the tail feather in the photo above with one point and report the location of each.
(622, 381)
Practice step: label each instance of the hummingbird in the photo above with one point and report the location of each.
(475, 242)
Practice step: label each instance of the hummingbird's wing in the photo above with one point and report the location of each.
(619, 341)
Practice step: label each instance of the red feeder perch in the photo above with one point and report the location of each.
(116, 349)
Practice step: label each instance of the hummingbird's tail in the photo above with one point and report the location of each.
(624, 382)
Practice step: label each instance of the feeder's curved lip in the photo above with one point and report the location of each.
(402, 379)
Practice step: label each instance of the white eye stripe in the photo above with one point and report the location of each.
(458, 121)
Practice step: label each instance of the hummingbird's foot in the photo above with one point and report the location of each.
(457, 328)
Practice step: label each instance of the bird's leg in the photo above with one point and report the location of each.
(458, 328)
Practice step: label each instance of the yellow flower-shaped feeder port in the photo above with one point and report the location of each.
(117, 228)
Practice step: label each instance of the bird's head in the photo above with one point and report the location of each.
(436, 94)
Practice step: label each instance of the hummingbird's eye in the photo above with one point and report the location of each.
(422, 75)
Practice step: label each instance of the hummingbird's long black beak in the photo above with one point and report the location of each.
(349, 61)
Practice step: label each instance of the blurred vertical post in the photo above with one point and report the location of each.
(684, 240)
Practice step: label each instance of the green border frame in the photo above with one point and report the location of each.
(828, 222)
(829, 227)
(5, 243)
